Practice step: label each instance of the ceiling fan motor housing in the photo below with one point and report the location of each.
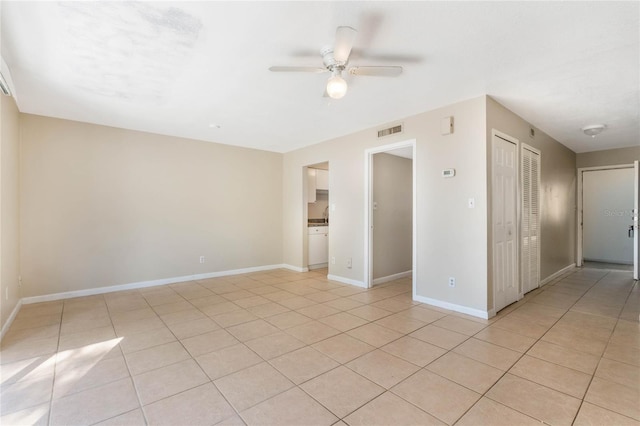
(330, 61)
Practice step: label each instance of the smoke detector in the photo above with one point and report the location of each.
(594, 129)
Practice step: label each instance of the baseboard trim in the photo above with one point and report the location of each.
(453, 307)
(7, 324)
(295, 268)
(346, 281)
(557, 274)
(612, 262)
(318, 266)
(392, 277)
(144, 284)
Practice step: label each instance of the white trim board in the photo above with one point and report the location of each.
(392, 277)
(346, 281)
(555, 275)
(368, 209)
(453, 307)
(318, 266)
(7, 324)
(295, 268)
(144, 284)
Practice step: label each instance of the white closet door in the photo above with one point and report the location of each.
(504, 217)
(530, 226)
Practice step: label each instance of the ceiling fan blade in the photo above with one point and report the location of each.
(345, 36)
(298, 69)
(376, 71)
(369, 25)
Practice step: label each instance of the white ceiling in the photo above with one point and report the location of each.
(185, 68)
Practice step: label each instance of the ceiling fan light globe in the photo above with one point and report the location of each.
(336, 87)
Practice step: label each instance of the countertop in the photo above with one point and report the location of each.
(317, 222)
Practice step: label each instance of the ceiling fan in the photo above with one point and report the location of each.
(336, 59)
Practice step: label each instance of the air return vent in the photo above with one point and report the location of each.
(390, 131)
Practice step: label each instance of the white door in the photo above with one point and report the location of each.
(504, 220)
(607, 197)
(530, 225)
(636, 221)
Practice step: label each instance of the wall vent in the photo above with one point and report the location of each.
(390, 131)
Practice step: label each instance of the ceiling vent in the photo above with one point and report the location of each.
(4, 87)
(390, 131)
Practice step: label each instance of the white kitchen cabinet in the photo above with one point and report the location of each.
(311, 185)
(318, 246)
(322, 179)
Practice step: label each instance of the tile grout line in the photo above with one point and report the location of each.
(595, 371)
(539, 339)
(55, 367)
(391, 313)
(142, 407)
(126, 363)
(512, 365)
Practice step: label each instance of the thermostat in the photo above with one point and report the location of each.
(446, 126)
(448, 173)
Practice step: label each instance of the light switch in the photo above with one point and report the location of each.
(472, 203)
(333, 207)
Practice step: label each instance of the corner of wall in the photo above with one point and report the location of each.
(9, 211)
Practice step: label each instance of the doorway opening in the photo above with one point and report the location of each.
(607, 217)
(316, 215)
(390, 213)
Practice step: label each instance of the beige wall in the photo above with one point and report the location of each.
(558, 188)
(103, 206)
(393, 218)
(9, 207)
(452, 239)
(609, 157)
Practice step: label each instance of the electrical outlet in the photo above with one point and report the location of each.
(19, 281)
(201, 259)
(452, 282)
(6, 293)
(333, 260)
(349, 262)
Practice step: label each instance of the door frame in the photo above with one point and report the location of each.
(305, 215)
(579, 206)
(636, 220)
(496, 133)
(368, 210)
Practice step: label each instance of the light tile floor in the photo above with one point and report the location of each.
(285, 348)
